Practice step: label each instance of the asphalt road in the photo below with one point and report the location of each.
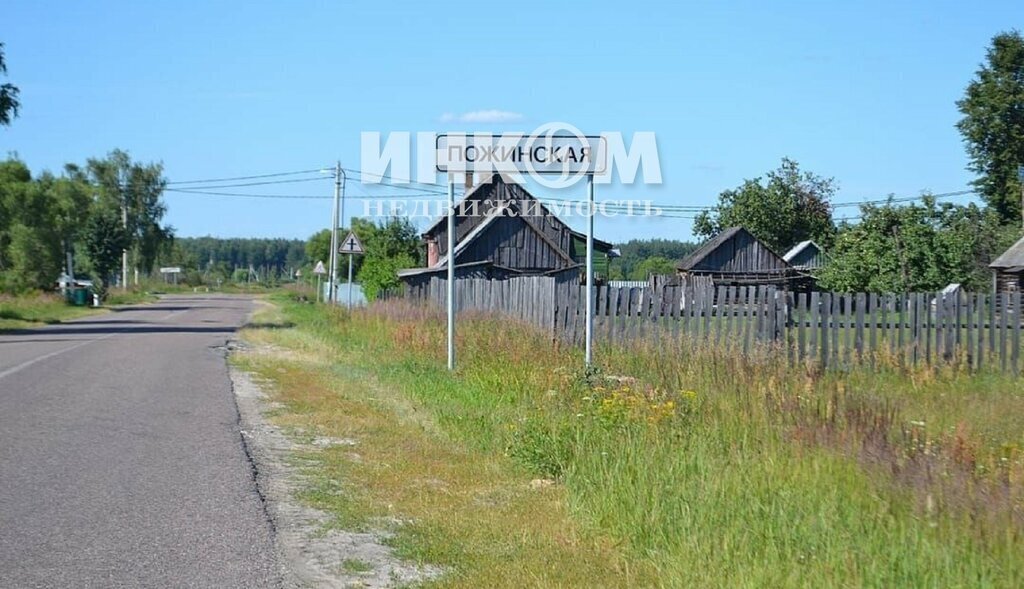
(121, 460)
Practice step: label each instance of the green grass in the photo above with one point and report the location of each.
(130, 297)
(33, 310)
(691, 466)
(352, 565)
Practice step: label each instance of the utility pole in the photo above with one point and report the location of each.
(124, 252)
(1020, 180)
(333, 280)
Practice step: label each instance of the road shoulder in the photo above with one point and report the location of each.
(311, 548)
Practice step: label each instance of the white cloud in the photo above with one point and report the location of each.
(483, 116)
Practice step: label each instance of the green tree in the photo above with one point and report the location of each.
(785, 209)
(9, 103)
(318, 247)
(104, 238)
(137, 189)
(380, 273)
(15, 180)
(993, 125)
(39, 222)
(652, 265)
(918, 247)
(390, 245)
(635, 251)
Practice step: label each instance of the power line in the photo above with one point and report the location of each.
(904, 198)
(266, 183)
(667, 210)
(299, 196)
(393, 179)
(241, 195)
(235, 178)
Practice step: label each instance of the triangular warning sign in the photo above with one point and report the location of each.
(319, 269)
(351, 245)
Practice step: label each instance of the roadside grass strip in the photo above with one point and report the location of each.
(670, 466)
(384, 462)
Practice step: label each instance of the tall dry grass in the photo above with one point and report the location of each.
(723, 469)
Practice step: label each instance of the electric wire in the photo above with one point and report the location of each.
(213, 186)
(236, 178)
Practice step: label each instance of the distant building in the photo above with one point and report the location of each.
(735, 257)
(807, 259)
(1008, 268)
(502, 230)
(806, 256)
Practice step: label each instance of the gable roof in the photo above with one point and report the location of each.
(507, 196)
(490, 220)
(440, 221)
(1011, 258)
(712, 245)
(495, 179)
(796, 249)
(705, 249)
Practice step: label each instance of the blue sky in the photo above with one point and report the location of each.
(861, 91)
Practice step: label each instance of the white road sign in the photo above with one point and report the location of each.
(517, 152)
(170, 270)
(319, 269)
(351, 245)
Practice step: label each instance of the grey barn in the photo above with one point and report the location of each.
(736, 257)
(501, 230)
(1008, 268)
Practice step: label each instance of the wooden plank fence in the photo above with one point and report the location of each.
(824, 328)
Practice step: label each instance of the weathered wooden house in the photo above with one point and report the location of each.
(1008, 269)
(735, 257)
(807, 259)
(502, 230)
(806, 256)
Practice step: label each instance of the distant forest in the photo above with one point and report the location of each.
(277, 259)
(271, 258)
(641, 257)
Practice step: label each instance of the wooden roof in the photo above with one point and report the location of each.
(735, 251)
(1011, 258)
(498, 197)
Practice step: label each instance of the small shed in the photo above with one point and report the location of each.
(736, 257)
(1007, 269)
(806, 256)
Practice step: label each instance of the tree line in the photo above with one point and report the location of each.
(80, 221)
(213, 260)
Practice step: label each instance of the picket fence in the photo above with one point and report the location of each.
(829, 329)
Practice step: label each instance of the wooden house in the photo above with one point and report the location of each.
(735, 257)
(502, 230)
(1008, 269)
(806, 256)
(807, 259)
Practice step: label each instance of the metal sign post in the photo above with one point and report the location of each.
(451, 272)
(319, 270)
(568, 155)
(588, 354)
(350, 246)
(173, 271)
